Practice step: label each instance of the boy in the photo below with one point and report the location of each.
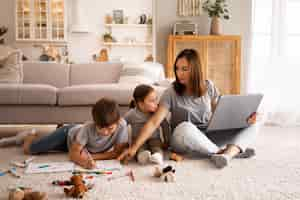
(104, 138)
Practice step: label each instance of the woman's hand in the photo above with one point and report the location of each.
(126, 155)
(252, 118)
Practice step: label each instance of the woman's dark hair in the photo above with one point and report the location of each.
(139, 94)
(197, 79)
(105, 112)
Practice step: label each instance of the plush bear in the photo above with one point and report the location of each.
(26, 194)
(78, 189)
(103, 56)
(166, 174)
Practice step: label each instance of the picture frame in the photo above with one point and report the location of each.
(189, 8)
(118, 16)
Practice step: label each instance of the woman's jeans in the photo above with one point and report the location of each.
(187, 138)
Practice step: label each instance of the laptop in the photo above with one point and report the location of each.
(232, 111)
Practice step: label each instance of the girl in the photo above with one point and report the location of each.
(143, 105)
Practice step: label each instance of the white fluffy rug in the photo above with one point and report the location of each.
(273, 174)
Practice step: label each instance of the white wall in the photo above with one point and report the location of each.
(7, 18)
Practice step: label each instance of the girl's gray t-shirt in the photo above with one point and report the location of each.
(196, 110)
(137, 119)
(87, 136)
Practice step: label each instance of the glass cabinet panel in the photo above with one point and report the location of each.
(57, 16)
(24, 22)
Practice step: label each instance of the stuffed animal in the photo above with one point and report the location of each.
(166, 174)
(26, 194)
(149, 58)
(103, 56)
(78, 189)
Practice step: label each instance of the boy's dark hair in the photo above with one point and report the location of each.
(105, 112)
(139, 94)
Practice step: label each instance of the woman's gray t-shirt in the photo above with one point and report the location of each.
(196, 110)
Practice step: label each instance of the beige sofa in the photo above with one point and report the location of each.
(60, 93)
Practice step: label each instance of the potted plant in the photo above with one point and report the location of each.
(216, 9)
(3, 31)
(107, 37)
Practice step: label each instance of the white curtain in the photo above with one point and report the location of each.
(275, 59)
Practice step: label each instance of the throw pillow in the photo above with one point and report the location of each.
(144, 73)
(11, 66)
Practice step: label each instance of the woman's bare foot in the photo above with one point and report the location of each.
(176, 157)
(232, 150)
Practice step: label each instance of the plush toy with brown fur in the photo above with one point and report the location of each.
(26, 194)
(103, 56)
(78, 189)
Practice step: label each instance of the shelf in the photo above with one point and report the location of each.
(58, 41)
(127, 43)
(130, 25)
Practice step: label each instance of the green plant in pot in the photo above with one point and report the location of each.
(107, 37)
(3, 30)
(216, 9)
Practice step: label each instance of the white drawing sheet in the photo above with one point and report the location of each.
(51, 167)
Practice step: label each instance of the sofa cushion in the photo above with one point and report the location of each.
(47, 73)
(89, 94)
(27, 94)
(95, 73)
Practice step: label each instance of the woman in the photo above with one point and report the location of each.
(191, 100)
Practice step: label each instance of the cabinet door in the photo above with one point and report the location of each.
(179, 45)
(23, 19)
(222, 65)
(57, 20)
(40, 19)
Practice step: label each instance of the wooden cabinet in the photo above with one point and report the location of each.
(40, 20)
(220, 56)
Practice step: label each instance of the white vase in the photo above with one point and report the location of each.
(215, 26)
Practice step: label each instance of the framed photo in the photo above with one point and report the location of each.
(118, 16)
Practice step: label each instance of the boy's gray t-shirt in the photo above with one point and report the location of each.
(196, 110)
(87, 136)
(137, 119)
